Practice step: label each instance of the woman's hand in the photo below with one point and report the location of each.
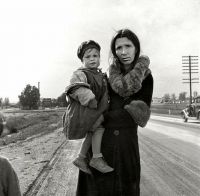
(139, 111)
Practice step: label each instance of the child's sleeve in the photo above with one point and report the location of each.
(126, 85)
(81, 93)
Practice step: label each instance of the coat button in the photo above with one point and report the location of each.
(116, 132)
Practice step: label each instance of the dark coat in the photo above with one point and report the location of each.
(120, 149)
(78, 119)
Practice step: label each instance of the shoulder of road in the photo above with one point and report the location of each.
(175, 120)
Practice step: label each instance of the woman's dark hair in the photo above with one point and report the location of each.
(132, 37)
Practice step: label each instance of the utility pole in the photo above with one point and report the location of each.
(190, 67)
(39, 93)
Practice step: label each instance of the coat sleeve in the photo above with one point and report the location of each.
(146, 92)
(139, 108)
(79, 88)
(78, 76)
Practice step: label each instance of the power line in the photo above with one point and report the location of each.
(190, 66)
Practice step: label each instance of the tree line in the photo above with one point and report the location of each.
(182, 97)
(4, 102)
(30, 99)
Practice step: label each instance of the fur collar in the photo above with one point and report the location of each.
(126, 84)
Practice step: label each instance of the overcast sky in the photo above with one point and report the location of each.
(39, 40)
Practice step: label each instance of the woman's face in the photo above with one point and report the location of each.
(125, 50)
(91, 58)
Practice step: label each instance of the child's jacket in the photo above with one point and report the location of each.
(79, 119)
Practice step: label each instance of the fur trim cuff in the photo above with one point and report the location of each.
(139, 111)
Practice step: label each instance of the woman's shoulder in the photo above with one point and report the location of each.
(148, 82)
(149, 78)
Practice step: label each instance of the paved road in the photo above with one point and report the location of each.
(170, 158)
(170, 162)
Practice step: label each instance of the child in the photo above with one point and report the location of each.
(90, 96)
(9, 183)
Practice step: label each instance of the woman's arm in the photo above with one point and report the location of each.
(146, 92)
(121, 115)
(139, 106)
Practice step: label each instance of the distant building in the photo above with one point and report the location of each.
(46, 102)
(157, 100)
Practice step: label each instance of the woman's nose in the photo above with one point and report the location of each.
(123, 51)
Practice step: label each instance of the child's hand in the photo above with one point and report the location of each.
(92, 104)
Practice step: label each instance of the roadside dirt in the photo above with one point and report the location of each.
(29, 157)
(30, 150)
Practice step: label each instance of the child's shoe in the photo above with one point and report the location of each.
(82, 164)
(100, 165)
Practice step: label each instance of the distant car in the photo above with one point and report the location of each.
(192, 111)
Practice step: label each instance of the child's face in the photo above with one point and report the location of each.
(91, 58)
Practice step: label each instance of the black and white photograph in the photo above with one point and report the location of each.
(100, 98)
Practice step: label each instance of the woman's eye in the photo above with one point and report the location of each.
(118, 48)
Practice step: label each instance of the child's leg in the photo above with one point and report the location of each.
(81, 161)
(85, 145)
(96, 142)
(97, 160)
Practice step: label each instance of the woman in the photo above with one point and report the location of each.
(130, 99)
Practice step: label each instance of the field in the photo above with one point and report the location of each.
(30, 150)
(29, 123)
(172, 109)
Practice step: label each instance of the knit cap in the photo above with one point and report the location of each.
(86, 45)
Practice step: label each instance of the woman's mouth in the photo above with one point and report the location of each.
(126, 59)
